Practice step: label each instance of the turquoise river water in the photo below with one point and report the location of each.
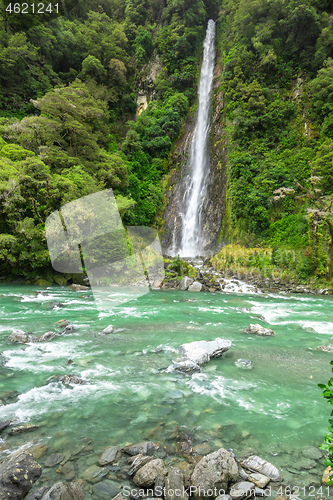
(275, 409)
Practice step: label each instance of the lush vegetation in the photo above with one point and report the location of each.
(277, 85)
(68, 90)
(328, 443)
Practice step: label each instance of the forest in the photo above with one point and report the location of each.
(70, 125)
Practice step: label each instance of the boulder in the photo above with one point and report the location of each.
(37, 450)
(68, 328)
(4, 424)
(23, 428)
(109, 329)
(19, 336)
(216, 470)
(106, 489)
(62, 323)
(54, 459)
(42, 282)
(110, 455)
(257, 464)
(37, 494)
(47, 336)
(195, 287)
(200, 351)
(147, 474)
(175, 481)
(64, 491)
(259, 330)
(242, 490)
(66, 379)
(94, 474)
(185, 365)
(185, 283)
(78, 288)
(60, 280)
(137, 462)
(258, 479)
(145, 448)
(157, 284)
(3, 359)
(18, 473)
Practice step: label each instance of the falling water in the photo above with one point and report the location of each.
(199, 161)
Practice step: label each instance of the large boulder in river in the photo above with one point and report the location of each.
(195, 287)
(147, 474)
(216, 470)
(259, 330)
(19, 336)
(18, 473)
(201, 351)
(257, 464)
(185, 283)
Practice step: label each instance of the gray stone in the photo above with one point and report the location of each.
(147, 474)
(185, 283)
(216, 470)
(69, 328)
(19, 336)
(201, 351)
(18, 473)
(4, 424)
(23, 428)
(145, 448)
(259, 479)
(78, 288)
(259, 330)
(257, 464)
(185, 365)
(94, 474)
(110, 455)
(3, 359)
(47, 336)
(312, 452)
(106, 489)
(246, 364)
(37, 494)
(305, 463)
(175, 481)
(54, 459)
(137, 462)
(195, 287)
(243, 489)
(64, 491)
(109, 329)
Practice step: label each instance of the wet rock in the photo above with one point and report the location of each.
(242, 490)
(201, 351)
(110, 455)
(47, 336)
(327, 476)
(57, 304)
(257, 464)
(54, 459)
(137, 462)
(305, 463)
(246, 364)
(68, 328)
(62, 323)
(157, 284)
(259, 330)
(144, 448)
(159, 485)
(202, 449)
(18, 473)
(312, 452)
(23, 428)
(42, 282)
(37, 494)
(242, 474)
(3, 359)
(19, 336)
(78, 288)
(259, 479)
(185, 283)
(195, 287)
(106, 489)
(185, 365)
(64, 491)
(67, 380)
(4, 424)
(68, 470)
(324, 348)
(147, 474)
(175, 481)
(216, 470)
(60, 280)
(109, 329)
(94, 474)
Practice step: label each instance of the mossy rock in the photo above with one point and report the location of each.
(60, 280)
(42, 282)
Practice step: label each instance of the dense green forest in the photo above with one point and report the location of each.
(70, 127)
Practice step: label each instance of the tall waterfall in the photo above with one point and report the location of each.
(199, 160)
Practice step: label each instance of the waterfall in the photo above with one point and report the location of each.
(191, 243)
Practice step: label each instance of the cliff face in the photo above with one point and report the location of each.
(213, 208)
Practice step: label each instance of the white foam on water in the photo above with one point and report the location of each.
(238, 286)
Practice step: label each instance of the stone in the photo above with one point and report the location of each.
(243, 489)
(147, 474)
(258, 479)
(37, 494)
(19, 336)
(327, 476)
(109, 329)
(175, 481)
(312, 452)
(246, 364)
(195, 287)
(60, 280)
(3, 359)
(216, 470)
(106, 489)
(47, 336)
(54, 459)
(37, 450)
(202, 449)
(18, 473)
(185, 283)
(68, 470)
(145, 448)
(157, 284)
(71, 379)
(323, 348)
(62, 323)
(137, 462)
(4, 424)
(185, 365)
(78, 288)
(94, 474)
(257, 464)
(110, 455)
(69, 328)
(259, 330)
(305, 463)
(42, 282)
(200, 351)
(23, 428)
(64, 491)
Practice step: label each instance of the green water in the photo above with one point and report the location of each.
(275, 409)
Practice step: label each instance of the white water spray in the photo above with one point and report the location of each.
(199, 161)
